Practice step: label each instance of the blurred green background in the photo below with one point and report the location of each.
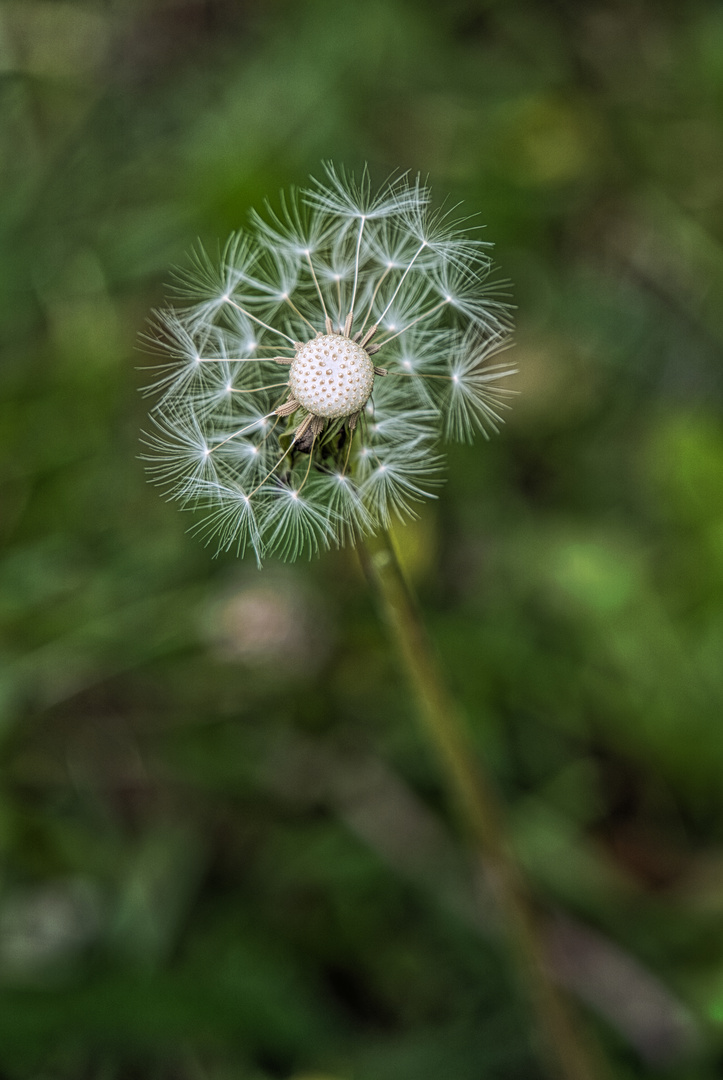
(224, 847)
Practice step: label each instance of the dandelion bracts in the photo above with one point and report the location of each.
(309, 374)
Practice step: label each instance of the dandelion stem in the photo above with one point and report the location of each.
(568, 1054)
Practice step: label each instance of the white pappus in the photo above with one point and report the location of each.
(307, 376)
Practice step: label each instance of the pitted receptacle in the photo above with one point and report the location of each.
(331, 376)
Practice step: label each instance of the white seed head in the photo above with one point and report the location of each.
(331, 376)
(396, 274)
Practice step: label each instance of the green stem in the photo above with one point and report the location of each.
(568, 1055)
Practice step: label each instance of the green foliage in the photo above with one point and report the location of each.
(225, 853)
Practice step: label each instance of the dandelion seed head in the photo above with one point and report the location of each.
(331, 376)
(272, 415)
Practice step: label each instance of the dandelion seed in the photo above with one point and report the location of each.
(330, 445)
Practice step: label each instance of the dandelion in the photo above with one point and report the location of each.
(308, 376)
(307, 379)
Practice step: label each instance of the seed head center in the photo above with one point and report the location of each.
(331, 376)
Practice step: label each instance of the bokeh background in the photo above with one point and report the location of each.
(225, 848)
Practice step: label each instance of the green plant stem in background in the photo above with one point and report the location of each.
(569, 1057)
